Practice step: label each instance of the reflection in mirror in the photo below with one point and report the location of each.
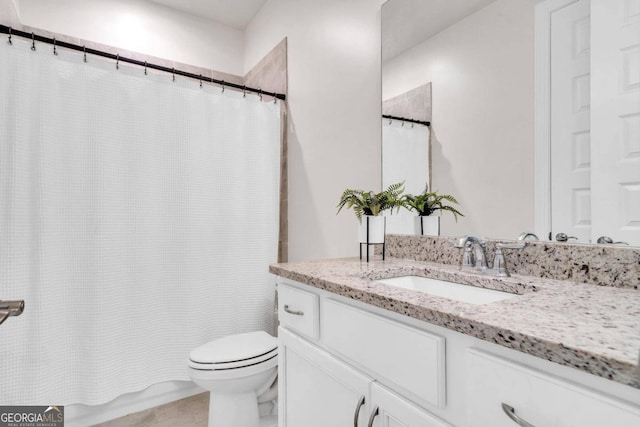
(406, 148)
(481, 57)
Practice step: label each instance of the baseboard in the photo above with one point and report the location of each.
(156, 395)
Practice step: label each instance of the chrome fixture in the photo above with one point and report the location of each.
(500, 262)
(356, 415)
(476, 260)
(527, 235)
(294, 312)
(511, 413)
(609, 241)
(10, 308)
(562, 237)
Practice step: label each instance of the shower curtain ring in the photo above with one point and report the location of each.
(145, 68)
(244, 91)
(222, 87)
(173, 74)
(275, 98)
(10, 41)
(117, 61)
(200, 80)
(55, 52)
(260, 93)
(84, 52)
(33, 42)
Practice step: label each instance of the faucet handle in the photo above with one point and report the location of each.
(500, 262)
(467, 257)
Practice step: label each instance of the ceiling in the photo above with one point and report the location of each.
(232, 13)
(406, 23)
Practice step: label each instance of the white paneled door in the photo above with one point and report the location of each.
(615, 119)
(570, 121)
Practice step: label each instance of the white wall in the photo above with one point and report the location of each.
(335, 107)
(141, 26)
(481, 69)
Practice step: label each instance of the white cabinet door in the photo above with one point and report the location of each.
(391, 410)
(316, 389)
(537, 398)
(615, 119)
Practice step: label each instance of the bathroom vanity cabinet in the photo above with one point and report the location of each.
(343, 362)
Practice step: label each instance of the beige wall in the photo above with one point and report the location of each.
(141, 26)
(481, 69)
(335, 106)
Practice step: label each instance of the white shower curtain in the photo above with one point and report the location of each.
(138, 217)
(405, 157)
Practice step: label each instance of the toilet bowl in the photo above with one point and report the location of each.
(235, 370)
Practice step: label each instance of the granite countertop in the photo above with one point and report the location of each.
(593, 328)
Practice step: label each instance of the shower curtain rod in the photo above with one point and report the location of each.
(56, 43)
(402, 119)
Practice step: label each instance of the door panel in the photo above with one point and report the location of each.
(315, 388)
(615, 119)
(570, 121)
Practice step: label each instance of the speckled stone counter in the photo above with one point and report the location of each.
(604, 265)
(589, 327)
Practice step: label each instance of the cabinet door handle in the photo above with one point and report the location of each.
(296, 312)
(511, 413)
(374, 414)
(357, 413)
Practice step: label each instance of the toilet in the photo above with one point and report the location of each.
(237, 370)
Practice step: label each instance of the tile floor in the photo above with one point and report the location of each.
(190, 412)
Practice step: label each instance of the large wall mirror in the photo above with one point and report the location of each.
(535, 111)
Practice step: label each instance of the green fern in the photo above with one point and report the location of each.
(369, 203)
(427, 203)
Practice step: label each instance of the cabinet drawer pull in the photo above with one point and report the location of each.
(296, 312)
(357, 413)
(511, 413)
(374, 414)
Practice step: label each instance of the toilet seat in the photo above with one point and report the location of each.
(235, 352)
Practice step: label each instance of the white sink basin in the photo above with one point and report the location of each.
(455, 291)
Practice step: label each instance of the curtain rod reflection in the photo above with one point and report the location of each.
(403, 119)
(57, 43)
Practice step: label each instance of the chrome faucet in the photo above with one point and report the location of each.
(472, 259)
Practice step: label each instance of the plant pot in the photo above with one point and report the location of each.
(427, 225)
(372, 229)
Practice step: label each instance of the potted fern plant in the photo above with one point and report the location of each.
(429, 205)
(371, 206)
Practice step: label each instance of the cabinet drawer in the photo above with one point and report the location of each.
(540, 399)
(411, 360)
(298, 310)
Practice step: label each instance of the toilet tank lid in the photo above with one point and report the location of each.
(233, 348)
